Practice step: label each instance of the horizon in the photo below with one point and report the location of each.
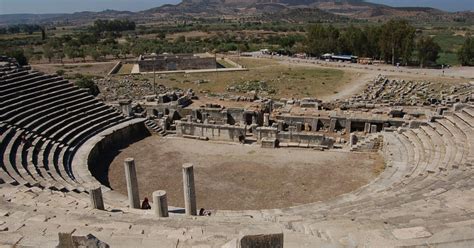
(70, 6)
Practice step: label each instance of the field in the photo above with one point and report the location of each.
(286, 80)
(99, 69)
(236, 177)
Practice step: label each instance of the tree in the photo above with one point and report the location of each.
(427, 50)
(48, 52)
(353, 41)
(125, 49)
(322, 39)
(88, 83)
(466, 52)
(71, 52)
(29, 53)
(397, 40)
(372, 47)
(61, 55)
(93, 52)
(19, 55)
(80, 52)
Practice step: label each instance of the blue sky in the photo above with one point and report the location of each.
(69, 6)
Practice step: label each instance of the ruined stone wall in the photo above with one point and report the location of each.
(177, 63)
(339, 123)
(306, 138)
(103, 151)
(213, 132)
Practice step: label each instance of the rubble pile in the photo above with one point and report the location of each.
(400, 92)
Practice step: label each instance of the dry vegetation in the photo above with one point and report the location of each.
(289, 81)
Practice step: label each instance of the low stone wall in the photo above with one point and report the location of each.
(116, 68)
(174, 63)
(305, 138)
(213, 132)
(91, 162)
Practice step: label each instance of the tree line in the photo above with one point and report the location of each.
(394, 42)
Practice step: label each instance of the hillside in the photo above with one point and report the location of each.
(265, 10)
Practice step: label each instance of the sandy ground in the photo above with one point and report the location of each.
(237, 177)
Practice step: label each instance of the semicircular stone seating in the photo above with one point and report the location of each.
(424, 197)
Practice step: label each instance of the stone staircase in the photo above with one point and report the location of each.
(152, 126)
(371, 143)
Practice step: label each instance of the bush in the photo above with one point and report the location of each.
(60, 72)
(19, 55)
(88, 83)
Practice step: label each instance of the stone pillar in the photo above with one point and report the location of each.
(307, 127)
(299, 127)
(126, 107)
(367, 127)
(332, 125)
(315, 125)
(189, 118)
(373, 128)
(280, 125)
(132, 183)
(266, 119)
(348, 125)
(353, 139)
(160, 203)
(458, 106)
(189, 190)
(97, 201)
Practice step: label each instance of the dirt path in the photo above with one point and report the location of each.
(236, 177)
(364, 74)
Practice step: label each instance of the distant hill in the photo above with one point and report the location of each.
(265, 10)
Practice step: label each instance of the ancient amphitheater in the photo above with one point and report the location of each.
(53, 136)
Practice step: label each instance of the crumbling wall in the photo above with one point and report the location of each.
(211, 131)
(174, 63)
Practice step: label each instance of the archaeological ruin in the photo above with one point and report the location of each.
(176, 62)
(57, 142)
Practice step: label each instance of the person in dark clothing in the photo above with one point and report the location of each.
(146, 204)
(203, 212)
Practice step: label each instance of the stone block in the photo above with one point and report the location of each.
(411, 233)
(66, 240)
(269, 238)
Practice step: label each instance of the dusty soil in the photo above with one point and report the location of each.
(241, 177)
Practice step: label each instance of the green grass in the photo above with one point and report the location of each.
(450, 44)
(448, 59)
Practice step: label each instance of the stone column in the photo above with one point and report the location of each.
(307, 127)
(97, 201)
(126, 107)
(299, 127)
(280, 125)
(353, 139)
(266, 119)
(315, 125)
(367, 127)
(373, 128)
(189, 190)
(332, 125)
(132, 183)
(348, 125)
(160, 203)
